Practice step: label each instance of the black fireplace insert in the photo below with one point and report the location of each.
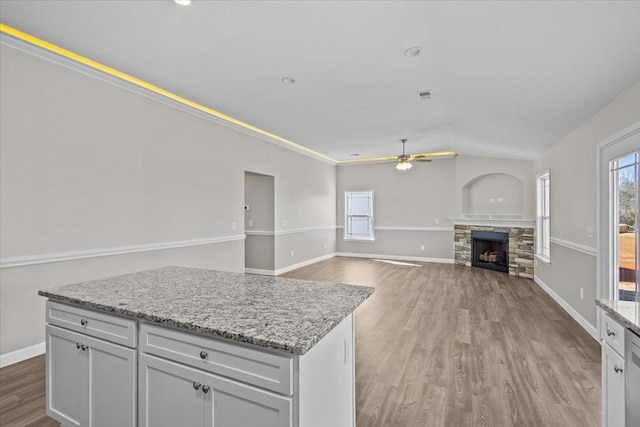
(490, 250)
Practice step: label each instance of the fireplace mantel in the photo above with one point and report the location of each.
(488, 221)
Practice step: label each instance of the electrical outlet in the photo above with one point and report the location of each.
(233, 226)
(500, 200)
(250, 223)
(325, 245)
(437, 221)
(291, 254)
(422, 247)
(589, 232)
(492, 200)
(581, 293)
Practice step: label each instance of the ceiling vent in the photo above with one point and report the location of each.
(425, 94)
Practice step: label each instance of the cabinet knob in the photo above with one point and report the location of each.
(78, 345)
(618, 370)
(196, 385)
(84, 322)
(206, 388)
(611, 333)
(203, 354)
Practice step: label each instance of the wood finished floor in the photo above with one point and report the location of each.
(447, 345)
(436, 345)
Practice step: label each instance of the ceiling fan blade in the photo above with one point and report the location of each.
(422, 160)
(435, 155)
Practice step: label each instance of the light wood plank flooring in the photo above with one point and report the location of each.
(436, 345)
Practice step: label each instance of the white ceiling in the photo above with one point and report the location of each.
(508, 78)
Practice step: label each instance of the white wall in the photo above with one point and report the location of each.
(86, 165)
(572, 162)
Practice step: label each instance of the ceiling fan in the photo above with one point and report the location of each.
(404, 160)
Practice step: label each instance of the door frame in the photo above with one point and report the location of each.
(607, 150)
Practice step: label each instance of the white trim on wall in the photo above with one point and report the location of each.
(119, 250)
(22, 354)
(289, 267)
(592, 330)
(290, 231)
(396, 257)
(575, 246)
(399, 228)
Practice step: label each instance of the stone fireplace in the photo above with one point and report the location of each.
(505, 248)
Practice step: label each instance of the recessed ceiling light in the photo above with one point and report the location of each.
(288, 80)
(182, 2)
(412, 51)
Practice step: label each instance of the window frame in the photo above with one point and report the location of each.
(543, 216)
(371, 237)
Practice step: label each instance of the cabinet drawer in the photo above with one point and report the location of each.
(93, 323)
(260, 368)
(612, 333)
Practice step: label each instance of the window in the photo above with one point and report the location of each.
(543, 234)
(358, 215)
(624, 179)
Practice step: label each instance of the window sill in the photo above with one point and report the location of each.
(543, 259)
(364, 240)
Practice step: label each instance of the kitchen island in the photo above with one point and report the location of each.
(183, 346)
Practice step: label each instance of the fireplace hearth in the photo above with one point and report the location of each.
(490, 250)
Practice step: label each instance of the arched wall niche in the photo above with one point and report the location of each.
(493, 193)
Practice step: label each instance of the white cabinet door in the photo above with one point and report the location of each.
(232, 404)
(65, 377)
(167, 395)
(612, 388)
(112, 393)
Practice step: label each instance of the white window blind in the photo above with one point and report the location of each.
(543, 217)
(358, 222)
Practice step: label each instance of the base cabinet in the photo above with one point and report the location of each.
(613, 404)
(173, 394)
(85, 372)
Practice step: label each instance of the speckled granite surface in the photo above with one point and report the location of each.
(284, 314)
(625, 312)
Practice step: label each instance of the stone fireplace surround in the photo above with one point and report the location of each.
(521, 246)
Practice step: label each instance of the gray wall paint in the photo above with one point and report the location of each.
(572, 162)
(88, 165)
(468, 169)
(437, 244)
(506, 191)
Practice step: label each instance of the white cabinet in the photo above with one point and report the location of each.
(172, 394)
(613, 366)
(90, 382)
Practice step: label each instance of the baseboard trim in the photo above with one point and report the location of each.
(22, 354)
(260, 271)
(396, 257)
(303, 264)
(572, 312)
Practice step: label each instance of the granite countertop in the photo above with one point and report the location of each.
(625, 312)
(290, 315)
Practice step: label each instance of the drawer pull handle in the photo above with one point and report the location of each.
(203, 354)
(611, 333)
(84, 322)
(618, 370)
(206, 388)
(196, 385)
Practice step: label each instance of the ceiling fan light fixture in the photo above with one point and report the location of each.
(403, 165)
